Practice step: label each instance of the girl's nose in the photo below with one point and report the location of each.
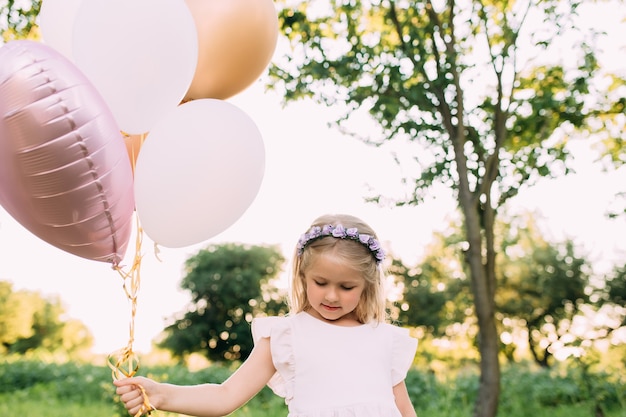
(331, 294)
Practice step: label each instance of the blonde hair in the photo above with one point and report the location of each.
(371, 306)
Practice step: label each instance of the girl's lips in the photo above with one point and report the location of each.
(330, 308)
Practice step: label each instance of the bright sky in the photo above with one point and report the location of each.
(310, 170)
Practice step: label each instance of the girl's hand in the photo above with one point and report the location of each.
(135, 394)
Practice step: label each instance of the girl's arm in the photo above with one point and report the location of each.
(403, 401)
(205, 400)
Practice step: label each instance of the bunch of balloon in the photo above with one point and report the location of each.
(165, 72)
(98, 125)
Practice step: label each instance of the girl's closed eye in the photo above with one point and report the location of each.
(343, 287)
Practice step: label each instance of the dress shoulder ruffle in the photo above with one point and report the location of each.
(280, 333)
(403, 353)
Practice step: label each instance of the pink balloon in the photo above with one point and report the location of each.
(64, 171)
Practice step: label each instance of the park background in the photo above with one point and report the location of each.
(310, 170)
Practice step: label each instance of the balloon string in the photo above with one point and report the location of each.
(124, 362)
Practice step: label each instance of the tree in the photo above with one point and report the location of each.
(451, 79)
(30, 322)
(544, 286)
(229, 285)
(434, 292)
(614, 293)
(15, 316)
(616, 288)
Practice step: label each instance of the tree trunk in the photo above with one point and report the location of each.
(483, 291)
(489, 389)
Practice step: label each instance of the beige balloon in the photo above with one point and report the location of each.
(236, 41)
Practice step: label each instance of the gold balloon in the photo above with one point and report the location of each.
(236, 41)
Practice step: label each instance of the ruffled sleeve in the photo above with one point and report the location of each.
(403, 353)
(279, 331)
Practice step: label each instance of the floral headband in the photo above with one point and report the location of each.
(340, 232)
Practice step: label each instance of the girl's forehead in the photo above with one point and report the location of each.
(331, 267)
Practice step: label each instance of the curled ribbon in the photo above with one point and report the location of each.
(124, 363)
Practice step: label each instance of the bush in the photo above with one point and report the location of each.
(70, 381)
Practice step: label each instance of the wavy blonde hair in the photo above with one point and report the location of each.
(371, 306)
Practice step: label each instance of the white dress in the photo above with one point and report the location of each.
(325, 370)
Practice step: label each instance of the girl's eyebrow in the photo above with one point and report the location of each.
(340, 282)
(349, 282)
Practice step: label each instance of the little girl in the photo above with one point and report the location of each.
(333, 356)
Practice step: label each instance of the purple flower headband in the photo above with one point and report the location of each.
(340, 232)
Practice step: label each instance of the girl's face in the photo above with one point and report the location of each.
(333, 289)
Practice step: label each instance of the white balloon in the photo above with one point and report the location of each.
(198, 171)
(140, 54)
(56, 22)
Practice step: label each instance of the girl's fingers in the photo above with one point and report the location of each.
(125, 389)
(131, 395)
(132, 398)
(125, 382)
(134, 405)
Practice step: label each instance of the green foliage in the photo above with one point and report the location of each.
(434, 296)
(550, 389)
(69, 389)
(543, 285)
(411, 65)
(615, 291)
(75, 390)
(18, 19)
(229, 285)
(31, 323)
(74, 382)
